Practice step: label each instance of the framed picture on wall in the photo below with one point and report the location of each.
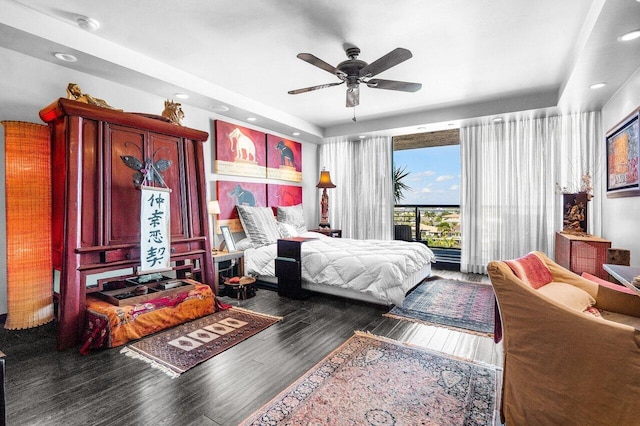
(229, 242)
(240, 151)
(284, 159)
(623, 149)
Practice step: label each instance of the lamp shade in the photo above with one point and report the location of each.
(325, 180)
(28, 219)
(213, 207)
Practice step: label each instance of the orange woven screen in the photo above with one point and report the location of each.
(28, 209)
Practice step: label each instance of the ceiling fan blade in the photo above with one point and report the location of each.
(313, 60)
(353, 96)
(404, 86)
(309, 89)
(389, 60)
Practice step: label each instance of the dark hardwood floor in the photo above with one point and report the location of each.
(48, 387)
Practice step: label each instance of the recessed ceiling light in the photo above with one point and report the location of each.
(296, 133)
(87, 23)
(182, 96)
(251, 119)
(362, 136)
(67, 57)
(630, 36)
(597, 85)
(219, 108)
(497, 120)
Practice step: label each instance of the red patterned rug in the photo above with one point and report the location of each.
(178, 349)
(454, 304)
(375, 381)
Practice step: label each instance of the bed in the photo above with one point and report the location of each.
(376, 271)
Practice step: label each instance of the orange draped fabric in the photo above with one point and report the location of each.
(28, 221)
(108, 326)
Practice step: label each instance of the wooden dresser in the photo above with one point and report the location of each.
(582, 253)
(96, 206)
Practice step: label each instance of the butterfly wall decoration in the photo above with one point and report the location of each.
(147, 171)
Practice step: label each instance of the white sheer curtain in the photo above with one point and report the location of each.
(361, 204)
(510, 202)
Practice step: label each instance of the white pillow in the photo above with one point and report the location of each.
(287, 231)
(244, 244)
(293, 215)
(259, 225)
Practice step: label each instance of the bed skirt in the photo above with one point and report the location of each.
(412, 281)
(108, 326)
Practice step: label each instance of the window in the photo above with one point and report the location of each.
(430, 202)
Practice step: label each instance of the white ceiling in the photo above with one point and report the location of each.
(474, 58)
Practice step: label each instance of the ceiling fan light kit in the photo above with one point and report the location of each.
(354, 71)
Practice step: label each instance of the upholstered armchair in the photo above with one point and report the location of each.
(566, 363)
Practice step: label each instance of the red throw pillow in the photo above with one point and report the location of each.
(608, 284)
(531, 269)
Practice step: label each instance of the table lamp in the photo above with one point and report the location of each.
(324, 183)
(213, 207)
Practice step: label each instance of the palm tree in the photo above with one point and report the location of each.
(398, 186)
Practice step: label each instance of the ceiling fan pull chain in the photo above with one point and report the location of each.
(354, 114)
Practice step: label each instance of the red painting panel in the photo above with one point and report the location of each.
(283, 195)
(231, 194)
(240, 151)
(284, 159)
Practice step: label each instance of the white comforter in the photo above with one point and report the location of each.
(376, 267)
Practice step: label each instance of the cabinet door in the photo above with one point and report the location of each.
(122, 198)
(162, 147)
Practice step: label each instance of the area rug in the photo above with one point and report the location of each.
(450, 303)
(375, 381)
(178, 349)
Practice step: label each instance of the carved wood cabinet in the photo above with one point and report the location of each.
(96, 205)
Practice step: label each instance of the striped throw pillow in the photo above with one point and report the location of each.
(531, 269)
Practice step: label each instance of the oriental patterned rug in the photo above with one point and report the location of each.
(178, 349)
(461, 305)
(376, 381)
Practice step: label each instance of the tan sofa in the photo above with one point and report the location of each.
(563, 366)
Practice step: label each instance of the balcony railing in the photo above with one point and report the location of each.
(437, 226)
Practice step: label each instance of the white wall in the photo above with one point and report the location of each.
(27, 85)
(621, 216)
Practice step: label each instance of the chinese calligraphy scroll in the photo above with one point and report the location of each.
(155, 235)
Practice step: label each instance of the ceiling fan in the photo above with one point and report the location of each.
(354, 71)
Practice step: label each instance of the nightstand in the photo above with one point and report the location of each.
(334, 233)
(223, 256)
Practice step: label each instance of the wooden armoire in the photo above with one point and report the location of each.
(96, 205)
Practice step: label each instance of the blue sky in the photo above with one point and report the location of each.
(434, 174)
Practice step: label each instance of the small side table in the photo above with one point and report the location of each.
(244, 289)
(223, 256)
(333, 233)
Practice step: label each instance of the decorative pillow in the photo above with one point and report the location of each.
(593, 311)
(605, 283)
(244, 244)
(286, 230)
(293, 215)
(259, 225)
(568, 295)
(531, 269)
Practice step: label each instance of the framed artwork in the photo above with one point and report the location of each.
(284, 159)
(239, 151)
(283, 195)
(228, 238)
(233, 193)
(623, 148)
